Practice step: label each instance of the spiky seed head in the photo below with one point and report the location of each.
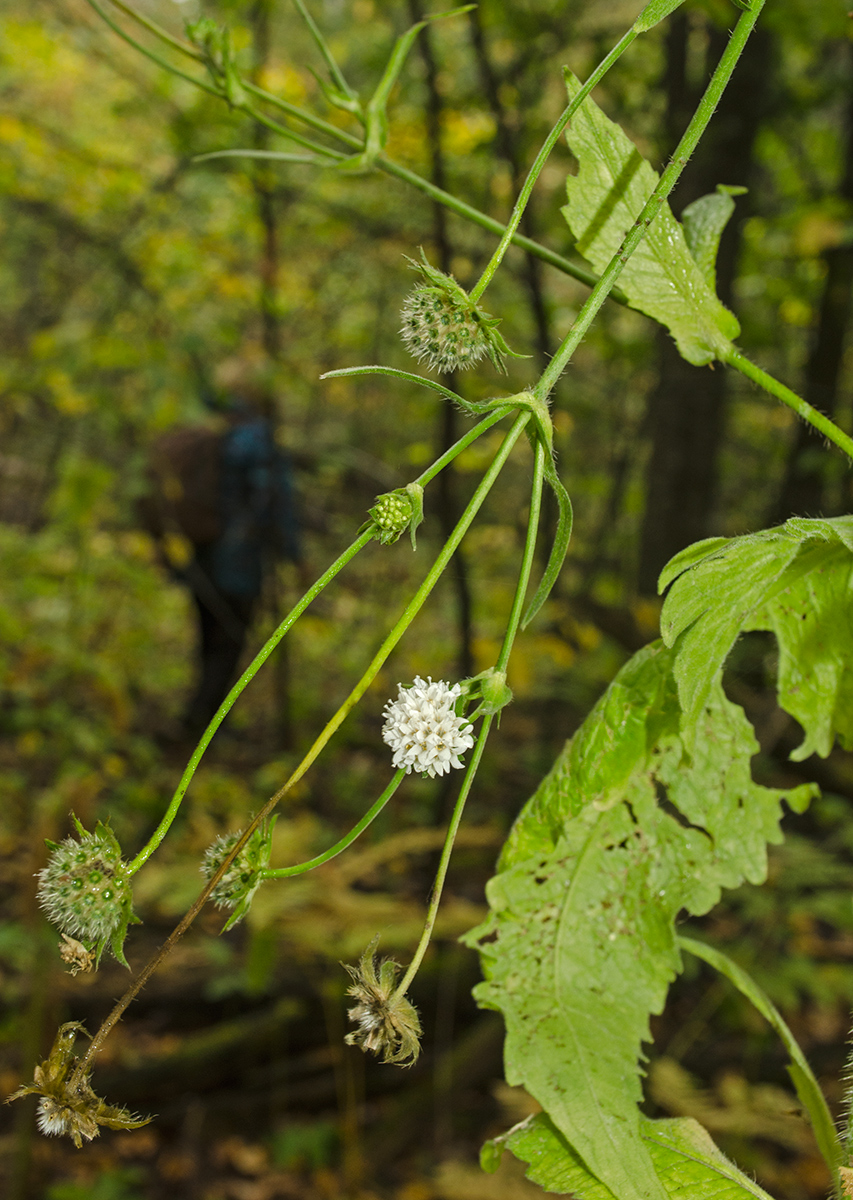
(440, 331)
(85, 890)
(242, 878)
(386, 1024)
(444, 328)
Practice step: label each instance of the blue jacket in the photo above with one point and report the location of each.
(257, 509)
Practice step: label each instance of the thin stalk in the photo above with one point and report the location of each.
(489, 223)
(159, 31)
(271, 643)
(480, 746)
(283, 131)
(409, 614)
(667, 182)
(807, 1087)
(329, 59)
(300, 114)
(462, 444)
(155, 58)
(228, 703)
(542, 157)
(444, 862)
(800, 406)
(347, 840)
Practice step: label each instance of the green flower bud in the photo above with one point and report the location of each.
(395, 512)
(85, 890)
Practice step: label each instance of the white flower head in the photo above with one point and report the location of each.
(423, 730)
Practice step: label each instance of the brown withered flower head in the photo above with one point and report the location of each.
(385, 1024)
(74, 1111)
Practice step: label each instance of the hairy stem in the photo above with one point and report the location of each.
(482, 737)
(542, 157)
(800, 406)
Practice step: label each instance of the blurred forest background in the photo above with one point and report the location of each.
(129, 274)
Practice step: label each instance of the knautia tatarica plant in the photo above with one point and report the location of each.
(651, 808)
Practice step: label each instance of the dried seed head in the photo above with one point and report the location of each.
(73, 1111)
(385, 1024)
(242, 877)
(444, 328)
(76, 955)
(85, 891)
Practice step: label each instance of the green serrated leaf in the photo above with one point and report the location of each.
(704, 221)
(661, 278)
(685, 1159)
(627, 830)
(795, 581)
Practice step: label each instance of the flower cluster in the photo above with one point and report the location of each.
(85, 891)
(423, 729)
(242, 877)
(443, 327)
(387, 1024)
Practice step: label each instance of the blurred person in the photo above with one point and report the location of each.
(230, 493)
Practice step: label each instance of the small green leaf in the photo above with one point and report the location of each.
(685, 1159)
(704, 221)
(491, 1153)
(654, 12)
(660, 278)
(629, 828)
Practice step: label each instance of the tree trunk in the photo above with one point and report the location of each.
(686, 412)
(803, 487)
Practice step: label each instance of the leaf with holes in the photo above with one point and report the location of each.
(627, 830)
(660, 278)
(797, 582)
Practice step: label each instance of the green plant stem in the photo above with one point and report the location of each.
(542, 157)
(271, 643)
(398, 171)
(480, 746)
(801, 407)
(241, 684)
(666, 183)
(463, 443)
(159, 31)
(807, 1087)
(155, 58)
(483, 489)
(347, 840)
(409, 613)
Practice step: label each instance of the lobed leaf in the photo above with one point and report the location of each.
(685, 1159)
(661, 277)
(627, 830)
(794, 581)
(704, 221)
